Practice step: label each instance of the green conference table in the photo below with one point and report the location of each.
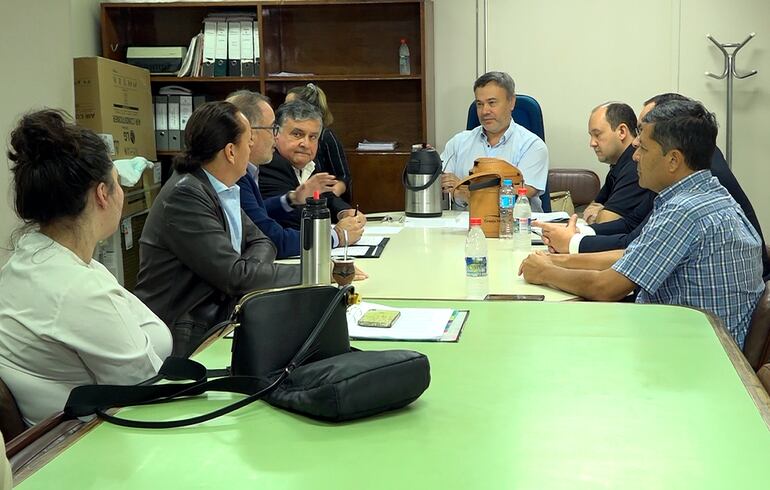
(429, 263)
(534, 396)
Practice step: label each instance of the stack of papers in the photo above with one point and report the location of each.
(377, 145)
(548, 217)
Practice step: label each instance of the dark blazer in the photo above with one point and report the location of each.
(331, 158)
(619, 233)
(189, 274)
(263, 213)
(278, 177)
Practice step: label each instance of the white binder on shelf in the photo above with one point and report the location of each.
(161, 122)
(185, 111)
(209, 47)
(233, 48)
(174, 141)
(247, 48)
(220, 57)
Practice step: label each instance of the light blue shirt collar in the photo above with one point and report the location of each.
(508, 134)
(230, 199)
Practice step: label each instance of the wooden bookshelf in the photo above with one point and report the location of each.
(348, 47)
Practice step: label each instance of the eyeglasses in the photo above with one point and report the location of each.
(274, 128)
(638, 132)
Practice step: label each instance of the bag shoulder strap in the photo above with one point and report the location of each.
(90, 399)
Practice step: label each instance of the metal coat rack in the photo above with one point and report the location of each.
(730, 73)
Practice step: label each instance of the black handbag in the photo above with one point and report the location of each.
(290, 347)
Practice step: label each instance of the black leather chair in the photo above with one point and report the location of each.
(11, 422)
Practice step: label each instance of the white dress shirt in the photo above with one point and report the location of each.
(66, 323)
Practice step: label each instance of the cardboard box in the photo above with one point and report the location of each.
(140, 197)
(120, 252)
(115, 100)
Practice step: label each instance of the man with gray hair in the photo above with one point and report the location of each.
(265, 212)
(296, 144)
(498, 136)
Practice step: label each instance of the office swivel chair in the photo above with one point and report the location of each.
(526, 113)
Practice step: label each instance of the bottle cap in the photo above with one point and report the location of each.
(403, 40)
(316, 195)
(521, 191)
(507, 182)
(475, 221)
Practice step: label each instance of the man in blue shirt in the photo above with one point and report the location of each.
(265, 212)
(498, 136)
(697, 249)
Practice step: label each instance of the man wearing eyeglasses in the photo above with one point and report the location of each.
(265, 212)
(292, 165)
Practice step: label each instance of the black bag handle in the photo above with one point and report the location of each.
(89, 399)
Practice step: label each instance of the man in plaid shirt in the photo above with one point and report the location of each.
(697, 249)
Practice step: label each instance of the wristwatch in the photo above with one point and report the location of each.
(291, 197)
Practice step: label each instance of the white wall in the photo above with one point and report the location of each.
(41, 37)
(34, 37)
(732, 22)
(572, 56)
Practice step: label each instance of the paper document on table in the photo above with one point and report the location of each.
(382, 230)
(370, 241)
(412, 324)
(354, 251)
(546, 217)
(457, 221)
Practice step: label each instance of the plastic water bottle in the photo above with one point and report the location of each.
(475, 251)
(404, 67)
(522, 215)
(476, 280)
(507, 198)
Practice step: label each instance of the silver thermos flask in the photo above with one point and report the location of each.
(315, 233)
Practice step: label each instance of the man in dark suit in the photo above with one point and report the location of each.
(292, 165)
(199, 252)
(265, 212)
(618, 234)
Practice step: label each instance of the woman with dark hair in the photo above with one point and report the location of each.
(64, 319)
(198, 252)
(330, 157)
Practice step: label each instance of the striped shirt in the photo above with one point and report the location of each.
(698, 249)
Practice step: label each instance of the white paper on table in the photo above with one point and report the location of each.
(412, 324)
(370, 241)
(546, 217)
(382, 230)
(354, 251)
(459, 221)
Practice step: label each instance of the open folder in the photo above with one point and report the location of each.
(368, 247)
(414, 324)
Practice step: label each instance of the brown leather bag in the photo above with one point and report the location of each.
(484, 183)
